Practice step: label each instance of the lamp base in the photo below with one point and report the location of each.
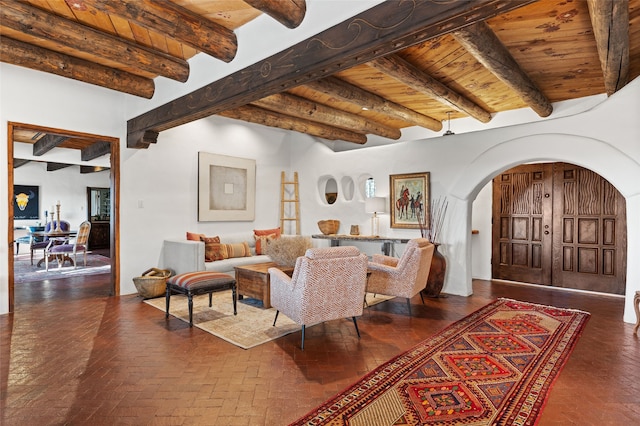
(375, 225)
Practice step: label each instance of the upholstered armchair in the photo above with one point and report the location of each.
(403, 277)
(326, 284)
(43, 243)
(62, 251)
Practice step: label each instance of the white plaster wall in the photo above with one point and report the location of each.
(65, 185)
(32, 97)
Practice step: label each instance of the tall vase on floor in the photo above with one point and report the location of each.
(435, 282)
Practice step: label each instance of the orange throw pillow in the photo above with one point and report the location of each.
(238, 250)
(213, 250)
(192, 236)
(263, 236)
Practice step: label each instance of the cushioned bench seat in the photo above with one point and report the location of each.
(200, 282)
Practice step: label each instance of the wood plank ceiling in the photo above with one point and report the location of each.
(482, 58)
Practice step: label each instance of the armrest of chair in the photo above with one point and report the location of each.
(384, 260)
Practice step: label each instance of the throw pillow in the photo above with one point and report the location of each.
(192, 236)
(238, 250)
(214, 250)
(261, 243)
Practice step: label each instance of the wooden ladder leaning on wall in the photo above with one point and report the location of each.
(289, 195)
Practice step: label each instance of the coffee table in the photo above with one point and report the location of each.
(253, 281)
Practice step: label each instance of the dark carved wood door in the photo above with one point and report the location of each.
(522, 220)
(561, 225)
(590, 242)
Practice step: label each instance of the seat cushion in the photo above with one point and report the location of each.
(66, 248)
(200, 280)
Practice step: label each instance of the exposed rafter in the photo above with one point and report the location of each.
(289, 13)
(176, 22)
(302, 108)
(95, 150)
(37, 23)
(346, 92)
(610, 21)
(17, 162)
(265, 117)
(410, 75)
(47, 143)
(52, 167)
(26, 55)
(92, 169)
(483, 44)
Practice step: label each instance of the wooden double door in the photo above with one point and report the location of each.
(561, 225)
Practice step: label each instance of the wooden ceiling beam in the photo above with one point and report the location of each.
(289, 13)
(610, 22)
(265, 117)
(37, 23)
(47, 143)
(95, 150)
(479, 40)
(17, 162)
(52, 167)
(408, 74)
(92, 169)
(346, 92)
(296, 106)
(385, 28)
(26, 55)
(172, 20)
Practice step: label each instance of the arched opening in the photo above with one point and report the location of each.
(620, 170)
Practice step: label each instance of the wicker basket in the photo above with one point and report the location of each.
(330, 226)
(152, 283)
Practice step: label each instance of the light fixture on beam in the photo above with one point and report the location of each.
(448, 132)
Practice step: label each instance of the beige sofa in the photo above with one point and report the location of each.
(188, 256)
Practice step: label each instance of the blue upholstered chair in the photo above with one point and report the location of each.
(61, 251)
(42, 243)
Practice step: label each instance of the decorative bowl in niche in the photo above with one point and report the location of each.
(329, 226)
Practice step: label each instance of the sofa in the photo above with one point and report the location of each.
(188, 256)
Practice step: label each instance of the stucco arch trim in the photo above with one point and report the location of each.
(596, 155)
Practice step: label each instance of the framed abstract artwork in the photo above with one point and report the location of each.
(410, 198)
(226, 188)
(26, 202)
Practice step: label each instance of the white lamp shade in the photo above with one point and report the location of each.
(375, 204)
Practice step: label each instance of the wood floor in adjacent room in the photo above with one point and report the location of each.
(72, 355)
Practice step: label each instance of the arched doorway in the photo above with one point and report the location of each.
(561, 225)
(598, 156)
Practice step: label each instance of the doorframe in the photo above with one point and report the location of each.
(114, 186)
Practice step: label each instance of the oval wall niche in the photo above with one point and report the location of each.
(348, 187)
(328, 189)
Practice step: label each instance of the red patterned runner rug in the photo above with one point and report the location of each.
(494, 367)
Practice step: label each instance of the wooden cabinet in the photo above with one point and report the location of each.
(99, 235)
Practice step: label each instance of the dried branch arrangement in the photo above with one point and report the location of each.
(431, 226)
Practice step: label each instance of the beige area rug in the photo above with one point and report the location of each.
(252, 326)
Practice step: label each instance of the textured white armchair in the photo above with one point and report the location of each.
(403, 277)
(327, 283)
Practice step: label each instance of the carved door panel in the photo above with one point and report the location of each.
(522, 220)
(561, 225)
(590, 242)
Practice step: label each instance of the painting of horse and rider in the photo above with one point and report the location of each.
(410, 197)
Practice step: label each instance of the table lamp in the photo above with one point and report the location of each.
(375, 205)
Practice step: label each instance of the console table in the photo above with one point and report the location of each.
(386, 242)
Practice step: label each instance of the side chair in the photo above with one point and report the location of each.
(405, 276)
(42, 243)
(60, 251)
(326, 284)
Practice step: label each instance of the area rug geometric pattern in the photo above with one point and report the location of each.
(24, 272)
(494, 367)
(252, 326)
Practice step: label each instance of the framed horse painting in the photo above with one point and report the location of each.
(410, 199)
